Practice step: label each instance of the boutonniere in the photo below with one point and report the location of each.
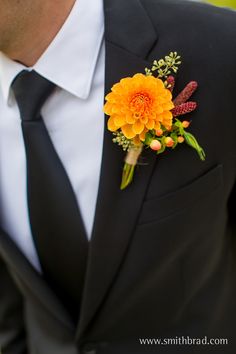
(143, 114)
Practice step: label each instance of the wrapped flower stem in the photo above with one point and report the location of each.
(129, 166)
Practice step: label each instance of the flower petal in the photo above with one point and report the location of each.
(157, 126)
(142, 136)
(144, 120)
(159, 109)
(136, 140)
(130, 119)
(111, 125)
(168, 106)
(128, 131)
(138, 127)
(150, 124)
(167, 115)
(119, 121)
(107, 108)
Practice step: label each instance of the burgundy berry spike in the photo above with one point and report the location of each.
(186, 93)
(184, 108)
(170, 83)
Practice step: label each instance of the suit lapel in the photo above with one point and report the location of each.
(117, 211)
(32, 280)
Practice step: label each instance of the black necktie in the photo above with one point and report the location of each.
(55, 219)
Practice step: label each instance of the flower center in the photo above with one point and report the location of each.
(140, 104)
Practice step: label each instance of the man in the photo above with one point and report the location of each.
(86, 267)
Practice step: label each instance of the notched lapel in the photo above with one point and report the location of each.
(128, 25)
(32, 279)
(117, 211)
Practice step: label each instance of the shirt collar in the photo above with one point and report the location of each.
(9, 69)
(70, 60)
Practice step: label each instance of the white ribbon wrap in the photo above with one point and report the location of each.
(133, 155)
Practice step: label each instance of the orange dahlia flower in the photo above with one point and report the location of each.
(138, 104)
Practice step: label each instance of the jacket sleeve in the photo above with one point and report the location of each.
(12, 332)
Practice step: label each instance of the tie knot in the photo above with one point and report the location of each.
(31, 90)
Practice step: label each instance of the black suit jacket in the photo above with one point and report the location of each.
(162, 255)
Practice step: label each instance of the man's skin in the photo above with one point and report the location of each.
(27, 27)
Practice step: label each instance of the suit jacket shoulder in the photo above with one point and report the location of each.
(196, 19)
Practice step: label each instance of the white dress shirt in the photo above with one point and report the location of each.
(73, 115)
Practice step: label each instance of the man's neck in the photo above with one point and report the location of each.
(37, 38)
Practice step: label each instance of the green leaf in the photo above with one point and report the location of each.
(178, 124)
(161, 150)
(175, 138)
(163, 146)
(191, 141)
(148, 138)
